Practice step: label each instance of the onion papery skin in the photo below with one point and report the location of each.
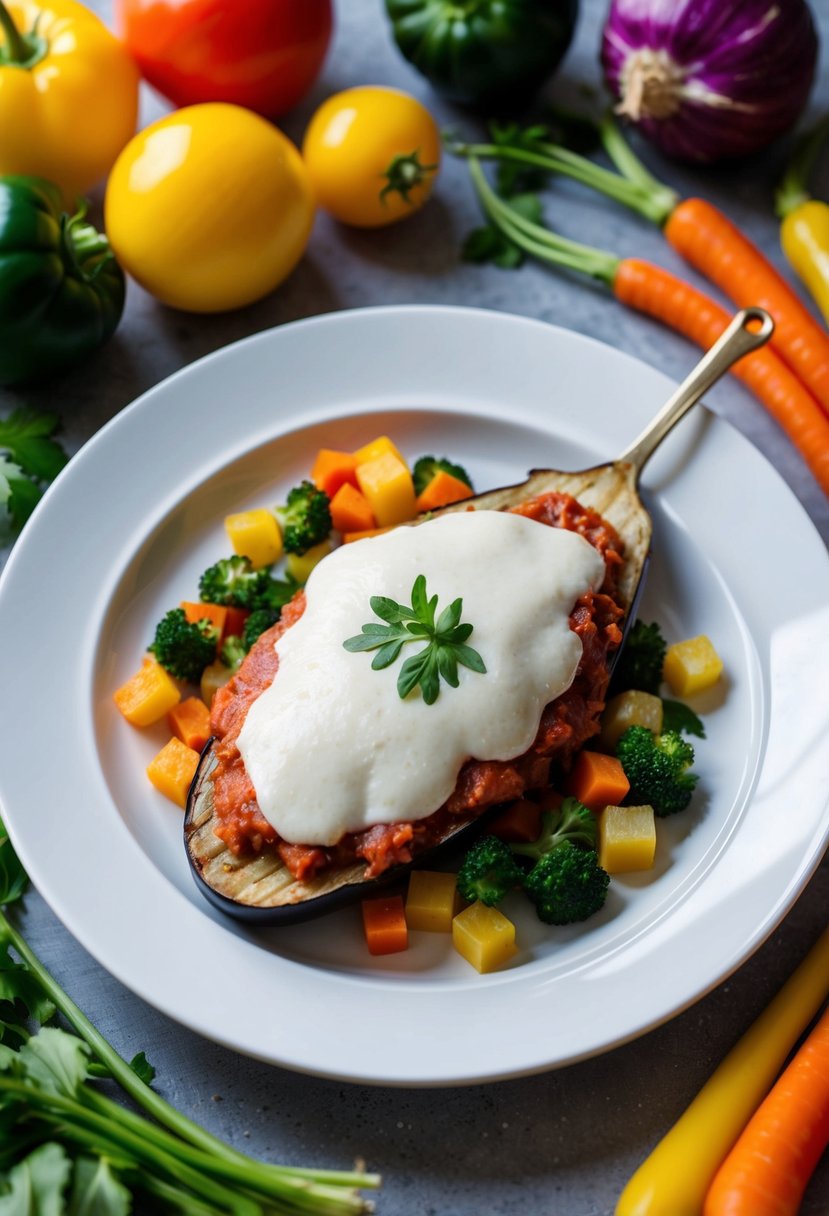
(710, 80)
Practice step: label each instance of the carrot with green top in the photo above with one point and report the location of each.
(767, 1170)
(654, 291)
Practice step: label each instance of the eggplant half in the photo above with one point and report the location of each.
(261, 889)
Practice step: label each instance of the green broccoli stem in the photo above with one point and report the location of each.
(654, 201)
(265, 1175)
(538, 241)
(793, 190)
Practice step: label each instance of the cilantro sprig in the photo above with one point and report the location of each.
(445, 641)
(29, 459)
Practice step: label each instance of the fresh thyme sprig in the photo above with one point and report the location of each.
(444, 650)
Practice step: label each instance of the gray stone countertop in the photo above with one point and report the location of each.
(566, 1141)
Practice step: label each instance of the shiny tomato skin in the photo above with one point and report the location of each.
(261, 54)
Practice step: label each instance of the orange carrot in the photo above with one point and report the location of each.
(518, 823)
(384, 924)
(658, 293)
(234, 621)
(597, 780)
(333, 469)
(441, 490)
(767, 1170)
(350, 510)
(215, 613)
(713, 245)
(190, 722)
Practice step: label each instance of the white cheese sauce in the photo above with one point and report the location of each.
(332, 748)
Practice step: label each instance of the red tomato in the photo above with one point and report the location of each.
(262, 54)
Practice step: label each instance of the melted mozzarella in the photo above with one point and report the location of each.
(332, 748)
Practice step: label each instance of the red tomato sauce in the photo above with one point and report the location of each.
(566, 725)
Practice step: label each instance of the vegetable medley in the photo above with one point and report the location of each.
(557, 846)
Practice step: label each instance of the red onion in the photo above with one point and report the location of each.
(710, 79)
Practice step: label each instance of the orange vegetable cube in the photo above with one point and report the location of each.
(597, 780)
(173, 770)
(234, 621)
(381, 446)
(350, 511)
(215, 613)
(190, 722)
(431, 901)
(518, 823)
(148, 695)
(384, 924)
(333, 469)
(255, 534)
(349, 537)
(388, 486)
(483, 936)
(441, 490)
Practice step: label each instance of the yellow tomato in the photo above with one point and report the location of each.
(209, 208)
(372, 154)
(68, 94)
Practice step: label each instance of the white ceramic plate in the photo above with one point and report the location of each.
(136, 517)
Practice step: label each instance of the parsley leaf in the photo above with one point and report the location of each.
(29, 460)
(445, 642)
(489, 244)
(680, 717)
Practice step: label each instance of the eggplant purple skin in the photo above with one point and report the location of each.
(771, 72)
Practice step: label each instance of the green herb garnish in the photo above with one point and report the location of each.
(445, 639)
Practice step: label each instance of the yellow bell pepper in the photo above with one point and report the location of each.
(804, 227)
(68, 94)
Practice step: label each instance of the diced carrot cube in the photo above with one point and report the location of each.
(597, 780)
(215, 613)
(190, 722)
(148, 695)
(381, 446)
(441, 490)
(350, 511)
(384, 924)
(173, 769)
(388, 486)
(333, 469)
(235, 622)
(518, 823)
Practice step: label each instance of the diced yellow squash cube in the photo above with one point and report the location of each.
(148, 695)
(173, 769)
(627, 838)
(692, 665)
(483, 936)
(212, 679)
(630, 708)
(255, 534)
(381, 446)
(300, 565)
(431, 901)
(388, 486)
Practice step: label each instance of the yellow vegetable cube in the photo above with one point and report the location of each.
(380, 446)
(388, 486)
(300, 565)
(630, 708)
(255, 534)
(627, 838)
(173, 769)
(432, 901)
(148, 695)
(484, 937)
(213, 678)
(692, 666)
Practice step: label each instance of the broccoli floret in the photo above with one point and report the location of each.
(184, 648)
(573, 823)
(656, 767)
(258, 621)
(426, 468)
(233, 581)
(276, 593)
(567, 884)
(640, 662)
(233, 651)
(306, 518)
(488, 872)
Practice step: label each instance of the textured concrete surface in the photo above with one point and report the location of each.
(561, 1144)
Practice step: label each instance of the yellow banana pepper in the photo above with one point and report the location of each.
(804, 228)
(68, 93)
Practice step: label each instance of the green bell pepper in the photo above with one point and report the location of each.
(492, 54)
(61, 290)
